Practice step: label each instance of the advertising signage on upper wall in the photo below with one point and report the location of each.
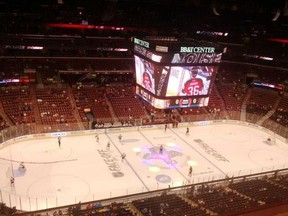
(183, 55)
(197, 55)
(197, 49)
(141, 42)
(147, 54)
(269, 85)
(196, 58)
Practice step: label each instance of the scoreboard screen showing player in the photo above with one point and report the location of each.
(181, 78)
(190, 80)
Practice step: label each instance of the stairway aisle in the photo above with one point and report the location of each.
(225, 112)
(36, 110)
(74, 108)
(270, 113)
(4, 116)
(243, 107)
(111, 110)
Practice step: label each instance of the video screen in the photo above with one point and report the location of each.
(145, 74)
(169, 86)
(190, 81)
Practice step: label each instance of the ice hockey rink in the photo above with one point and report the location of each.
(82, 169)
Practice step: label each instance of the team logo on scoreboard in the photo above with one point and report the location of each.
(185, 102)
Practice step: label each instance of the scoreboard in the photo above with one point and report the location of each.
(173, 75)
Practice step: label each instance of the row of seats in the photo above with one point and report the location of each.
(233, 96)
(17, 105)
(211, 199)
(261, 101)
(55, 105)
(167, 204)
(114, 209)
(125, 103)
(230, 197)
(263, 190)
(91, 99)
(220, 200)
(281, 114)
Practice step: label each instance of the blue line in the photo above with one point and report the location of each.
(146, 138)
(128, 163)
(197, 151)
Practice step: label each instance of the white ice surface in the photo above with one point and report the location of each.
(83, 170)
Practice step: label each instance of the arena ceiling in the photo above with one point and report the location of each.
(217, 15)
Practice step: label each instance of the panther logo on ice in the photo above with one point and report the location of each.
(167, 156)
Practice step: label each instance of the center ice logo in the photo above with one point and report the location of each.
(166, 157)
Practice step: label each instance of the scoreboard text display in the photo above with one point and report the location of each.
(182, 78)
